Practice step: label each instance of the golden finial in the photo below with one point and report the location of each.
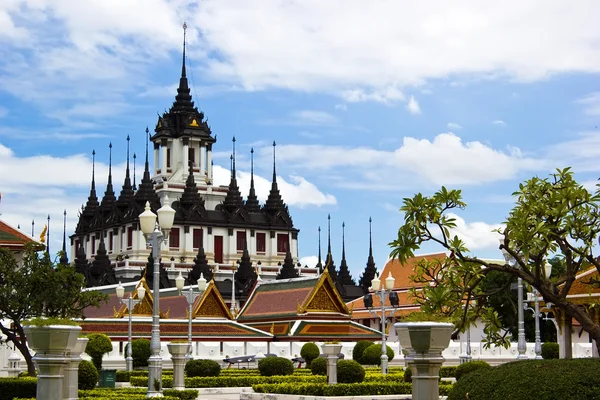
(272, 330)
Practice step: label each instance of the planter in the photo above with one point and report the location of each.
(332, 352)
(71, 383)
(179, 352)
(53, 345)
(423, 343)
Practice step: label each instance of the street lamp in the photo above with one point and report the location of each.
(155, 233)
(130, 302)
(521, 343)
(368, 302)
(190, 297)
(535, 297)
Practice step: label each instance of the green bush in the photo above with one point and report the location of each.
(230, 381)
(350, 371)
(408, 375)
(309, 352)
(343, 389)
(98, 345)
(319, 366)
(469, 367)
(372, 355)
(202, 368)
(448, 371)
(575, 379)
(17, 387)
(359, 348)
(550, 350)
(271, 366)
(87, 375)
(140, 352)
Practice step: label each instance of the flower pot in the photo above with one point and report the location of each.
(332, 352)
(52, 338)
(178, 351)
(423, 343)
(331, 349)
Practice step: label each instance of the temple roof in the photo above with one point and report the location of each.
(13, 239)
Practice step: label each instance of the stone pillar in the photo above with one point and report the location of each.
(156, 164)
(332, 352)
(178, 352)
(186, 159)
(71, 385)
(163, 156)
(209, 162)
(202, 163)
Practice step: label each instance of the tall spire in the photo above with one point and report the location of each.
(245, 275)
(63, 256)
(233, 199)
(191, 197)
(109, 195)
(320, 264)
(200, 266)
(329, 264)
(274, 202)
(288, 269)
(274, 174)
(87, 212)
(183, 75)
(146, 188)
(370, 271)
(183, 100)
(252, 201)
(344, 276)
(127, 191)
(134, 157)
(48, 236)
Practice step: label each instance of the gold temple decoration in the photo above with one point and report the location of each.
(144, 308)
(325, 297)
(211, 304)
(272, 330)
(194, 123)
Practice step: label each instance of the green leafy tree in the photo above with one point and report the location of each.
(38, 288)
(552, 217)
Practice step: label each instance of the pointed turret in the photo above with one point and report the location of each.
(274, 204)
(245, 275)
(146, 189)
(109, 198)
(127, 193)
(63, 255)
(288, 270)
(190, 196)
(89, 210)
(252, 201)
(81, 262)
(183, 100)
(329, 260)
(233, 200)
(370, 271)
(344, 276)
(200, 267)
(320, 264)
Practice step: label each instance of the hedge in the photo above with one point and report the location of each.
(87, 375)
(17, 387)
(550, 350)
(230, 381)
(471, 366)
(130, 393)
(342, 389)
(350, 371)
(319, 366)
(575, 379)
(274, 366)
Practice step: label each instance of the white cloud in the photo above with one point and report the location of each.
(445, 160)
(581, 153)
(591, 104)
(413, 106)
(476, 235)
(499, 122)
(311, 261)
(386, 95)
(314, 117)
(295, 192)
(453, 126)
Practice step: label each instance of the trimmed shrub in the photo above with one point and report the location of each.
(372, 355)
(350, 371)
(309, 352)
(271, 366)
(359, 348)
(408, 375)
(17, 387)
(319, 366)
(574, 379)
(140, 352)
(469, 367)
(87, 375)
(195, 368)
(550, 350)
(98, 345)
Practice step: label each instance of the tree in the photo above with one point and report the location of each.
(38, 288)
(552, 217)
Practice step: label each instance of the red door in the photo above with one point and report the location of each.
(218, 249)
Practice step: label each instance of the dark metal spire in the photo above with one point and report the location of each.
(319, 264)
(252, 201)
(343, 240)
(32, 226)
(370, 271)
(233, 157)
(183, 100)
(233, 199)
(344, 276)
(127, 191)
(146, 188)
(48, 236)
(274, 174)
(183, 59)
(328, 233)
(274, 202)
(134, 157)
(109, 195)
(329, 264)
(287, 270)
(63, 257)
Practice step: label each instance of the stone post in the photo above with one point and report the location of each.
(178, 352)
(332, 352)
(71, 384)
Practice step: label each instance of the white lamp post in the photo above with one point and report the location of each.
(232, 308)
(535, 297)
(130, 302)
(521, 343)
(381, 292)
(155, 233)
(190, 297)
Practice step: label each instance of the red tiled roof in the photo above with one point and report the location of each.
(402, 272)
(12, 238)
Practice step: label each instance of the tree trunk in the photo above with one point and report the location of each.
(20, 343)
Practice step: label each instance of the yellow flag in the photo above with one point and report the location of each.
(43, 234)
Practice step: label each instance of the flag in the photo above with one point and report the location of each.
(43, 234)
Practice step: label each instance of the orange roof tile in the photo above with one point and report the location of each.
(12, 238)
(402, 272)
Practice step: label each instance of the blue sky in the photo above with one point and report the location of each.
(369, 102)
